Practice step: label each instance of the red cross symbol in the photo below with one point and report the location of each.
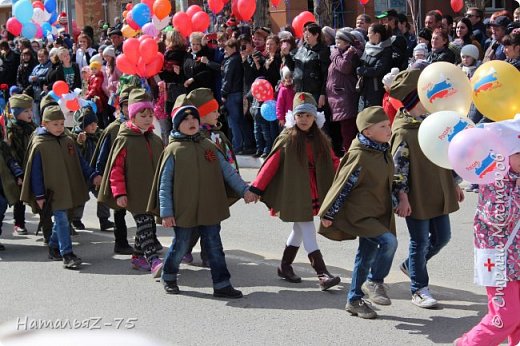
(489, 265)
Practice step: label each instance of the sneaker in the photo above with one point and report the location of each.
(227, 292)
(156, 268)
(2, 247)
(54, 254)
(457, 341)
(188, 258)
(423, 298)
(17, 230)
(376, 292)
(361, 308)
(257, 154)
(404, 268)
(71, 261)
(123, 249)
(264, 155)
(78, 225)
(171, 287)
(140, 263)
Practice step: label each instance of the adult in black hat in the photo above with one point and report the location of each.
(116, 37)
(498, 31)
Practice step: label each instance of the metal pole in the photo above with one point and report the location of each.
(68, 10)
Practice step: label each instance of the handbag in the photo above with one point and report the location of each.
(490, 264)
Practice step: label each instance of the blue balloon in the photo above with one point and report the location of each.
(46, 29)
(54, 17)
(268, 110)
(54, 96)
(23, 11)
(141, 14)
(92, 105)
(29, 30)
(50, 5)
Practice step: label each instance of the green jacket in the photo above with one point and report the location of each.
(199, 190)
(61, 171)
(10, 189)
(19, 134)
(142, 156)
(432, 188)
(367, 211)
(289, 191)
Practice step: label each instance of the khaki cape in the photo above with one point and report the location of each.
(61, 172)
(432, 188)
(142, 157)
(367, 211)
(289, 191)
(199, 191)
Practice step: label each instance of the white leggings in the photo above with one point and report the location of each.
(303, 231)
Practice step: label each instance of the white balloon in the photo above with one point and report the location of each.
(54, 30)
(47, 16)
(38, 15)
(437, 131)
(161, 24)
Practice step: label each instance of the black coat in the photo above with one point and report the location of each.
(59, 74)
(310, 66)
(233, 75)
(372, 70)
(9, 68)
(444, 54)
(204, 75)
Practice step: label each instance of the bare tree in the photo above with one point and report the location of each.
(323, 12)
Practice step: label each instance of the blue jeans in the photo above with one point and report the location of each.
(427, 238)
(210, 237)
(242, 134)
(60, 237)
(3, 208)
(374, 255)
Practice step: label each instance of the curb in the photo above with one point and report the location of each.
(249, 162)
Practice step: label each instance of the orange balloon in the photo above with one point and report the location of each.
(125, 12)
(162, 8)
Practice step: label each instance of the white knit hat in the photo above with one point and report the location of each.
(421, 47)
(109, 51)
(286, 72)
(470, 50)
(388, 79)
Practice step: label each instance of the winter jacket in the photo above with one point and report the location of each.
(284, 102)
(59, 74)
(204, 75)
(22, 76)
(83, 57)
(38, 78)
(95, 88)
(375, 63)
(341, 84)
(310, 66)
(444, 54)
(9, 68)
(233, 75)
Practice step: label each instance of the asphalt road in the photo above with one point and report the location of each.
(107, 296)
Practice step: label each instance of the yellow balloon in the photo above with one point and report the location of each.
(444, 87)
(127, 31)
(496, 90)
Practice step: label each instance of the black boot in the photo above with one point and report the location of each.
(285, 269)
(120, 233)
(105, 224)
(326, 279)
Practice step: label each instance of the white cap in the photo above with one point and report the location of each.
(470, 50)
(388, 79)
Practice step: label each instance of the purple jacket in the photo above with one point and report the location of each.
(284, 102)
(341, 84)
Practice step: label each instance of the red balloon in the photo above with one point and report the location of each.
(457, 5)
(262, 90)
(148, 50)
(130, 21)
(14, 26)
(149, 3)
(129, 6)
(156, 65)
(72, 105)
(363, 2)
(235, 11)
(298, 29)
(307, 17)
(192, 10)
(182, 23)
(246, 8)
(275, 2)
(215, 5)
(131, 50)
(124, 65)
(144, 37)
(60, 87)
(38, 4)
(200, 21)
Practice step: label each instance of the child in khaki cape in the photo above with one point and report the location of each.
(207, 106)
(53, 163)
(359, 203)
(293, 181)
(19, 131)
(427, 192)
(128, 177)
(189, 194)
